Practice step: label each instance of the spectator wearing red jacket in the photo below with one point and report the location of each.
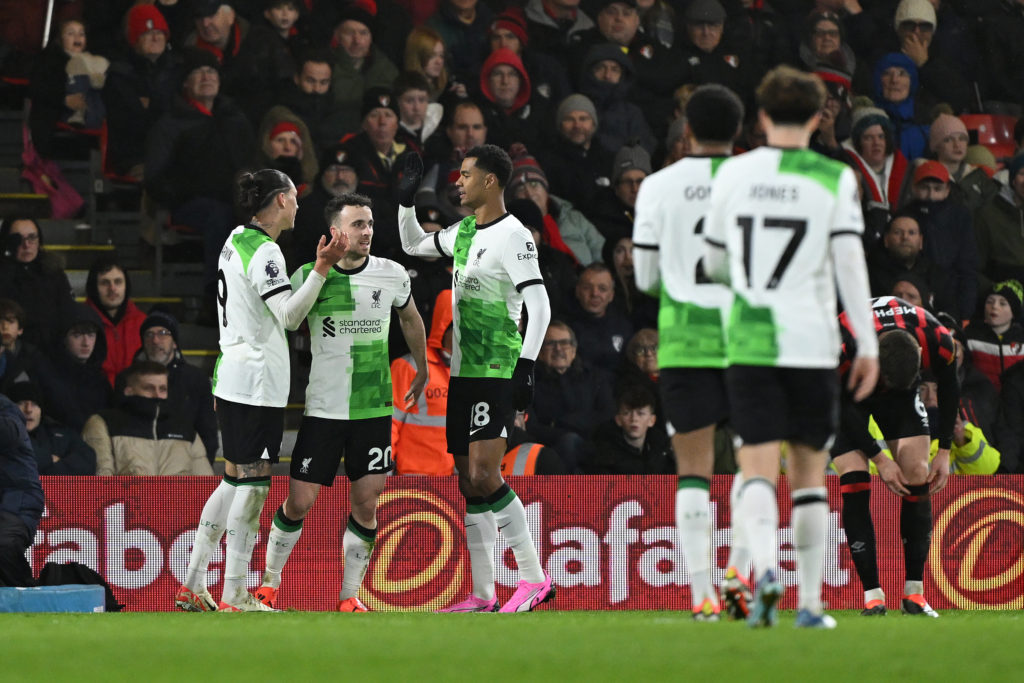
(108, 292)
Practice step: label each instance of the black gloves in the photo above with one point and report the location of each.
(409, 180)
(522, 384)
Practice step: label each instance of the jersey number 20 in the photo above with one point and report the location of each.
(799, 229)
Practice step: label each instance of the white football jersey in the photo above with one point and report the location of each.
(253, 366)
(670, 216)
(348, 329)
(493, 263)
(775, 211)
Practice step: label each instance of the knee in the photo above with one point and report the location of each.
(482, 481)
(297, 507)
(916, 472)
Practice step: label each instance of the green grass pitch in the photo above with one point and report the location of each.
(546, 645)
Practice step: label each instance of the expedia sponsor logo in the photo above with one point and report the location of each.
(975, 557)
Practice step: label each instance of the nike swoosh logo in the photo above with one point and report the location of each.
(474, 431)
(503, 526)
(320, 301)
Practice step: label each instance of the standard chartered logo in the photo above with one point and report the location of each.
(973, 539)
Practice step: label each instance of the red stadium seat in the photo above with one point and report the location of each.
(993, 131)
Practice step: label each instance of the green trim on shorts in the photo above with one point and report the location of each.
(499, 505)
(360, 534)
(280, 524)
(477, 508)
(688, 481)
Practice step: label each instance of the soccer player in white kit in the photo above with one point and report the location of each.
(255, 303)
(496, 271)
(349, 397)
(668, 244)
(784, 227)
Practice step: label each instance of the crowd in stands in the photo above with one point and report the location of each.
(587, 97)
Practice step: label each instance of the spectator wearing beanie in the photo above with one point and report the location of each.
(577, 164)
(614, 209)
(996, 342)
(948, 141)
(511, 112)
(896, 88)
(997, 225)
(549, 78)
(286, 145)
(915, 23)
(59, 450)
(836, 115)
(253, 60)
(949, 240)
(378, 158)
(879, 163)
(823, 44)
(194, 152)
(139, 89)
(561, 218)
(707, 58)
(188, 387)
(358, 64)
(606, 78)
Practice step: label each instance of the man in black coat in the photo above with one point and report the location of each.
(21, 496)
(194, 152)
(188, 388)
(139, 89)
(571, 399)
(59, 450)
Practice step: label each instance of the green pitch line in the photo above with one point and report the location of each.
(548, 645)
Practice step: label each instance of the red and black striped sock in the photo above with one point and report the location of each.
(916, 530)
(860, 530)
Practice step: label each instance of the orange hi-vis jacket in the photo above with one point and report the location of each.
(418, 442)
(521, 460)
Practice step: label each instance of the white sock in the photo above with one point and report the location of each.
(913, 588)
(693, 522)
(874, 594)
(739, 551)
(212, 523)
(243, 525)
(282, 538)
(759, 513)
(510, 516)
(357, 543)
(810, 517)
(481, 533)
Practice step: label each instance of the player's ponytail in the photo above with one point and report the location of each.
(255, 191)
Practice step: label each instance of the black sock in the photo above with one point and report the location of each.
(860, 530)
(916, 530)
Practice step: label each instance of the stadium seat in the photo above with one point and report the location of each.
(993, 131)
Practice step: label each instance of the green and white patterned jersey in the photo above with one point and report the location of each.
(775, 211)
(493, 263)
(253, 366)
(348, 330)
(670, 215)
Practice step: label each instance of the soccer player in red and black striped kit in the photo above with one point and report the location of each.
(909, 340)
